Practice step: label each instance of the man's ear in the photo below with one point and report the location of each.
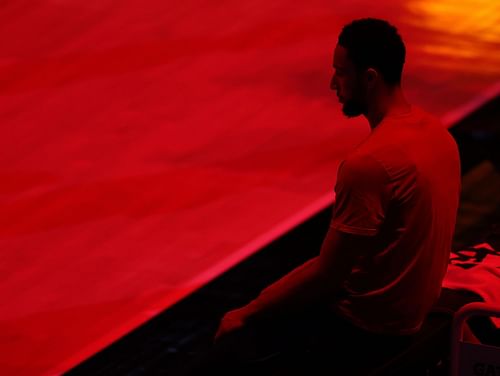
(371, 76)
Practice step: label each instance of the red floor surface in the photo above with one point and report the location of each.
(148, 146)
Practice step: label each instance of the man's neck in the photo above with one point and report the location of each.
(385, 103)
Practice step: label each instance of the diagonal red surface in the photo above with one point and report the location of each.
(147, 147)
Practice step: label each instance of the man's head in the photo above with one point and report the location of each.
(369, 54)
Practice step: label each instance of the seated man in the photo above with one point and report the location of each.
(382, 262)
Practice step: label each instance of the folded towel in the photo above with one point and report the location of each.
(476, 269)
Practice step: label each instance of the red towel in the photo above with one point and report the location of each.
(476, 269)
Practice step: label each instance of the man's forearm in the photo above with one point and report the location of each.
(315, 281)
(304, 285)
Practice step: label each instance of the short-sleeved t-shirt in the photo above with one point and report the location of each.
(400, 187)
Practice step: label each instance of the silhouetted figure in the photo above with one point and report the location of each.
(383, 259)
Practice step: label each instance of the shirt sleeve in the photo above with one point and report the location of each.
(362, 194)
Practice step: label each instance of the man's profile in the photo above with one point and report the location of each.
(383, 259)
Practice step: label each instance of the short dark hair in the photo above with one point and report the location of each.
(375, 43)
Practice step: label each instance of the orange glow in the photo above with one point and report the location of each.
(467, 33)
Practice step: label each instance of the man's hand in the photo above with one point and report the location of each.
(232, 322)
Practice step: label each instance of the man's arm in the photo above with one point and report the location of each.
(317, 280)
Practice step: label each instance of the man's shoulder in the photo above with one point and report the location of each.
(376, 155)
(363, 166)
(390, 161)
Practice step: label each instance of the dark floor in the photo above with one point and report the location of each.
(165, 344)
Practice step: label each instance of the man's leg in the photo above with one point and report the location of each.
(261, 345)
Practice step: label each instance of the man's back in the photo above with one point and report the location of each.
(401, 186)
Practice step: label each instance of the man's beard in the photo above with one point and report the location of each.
(353, 108)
